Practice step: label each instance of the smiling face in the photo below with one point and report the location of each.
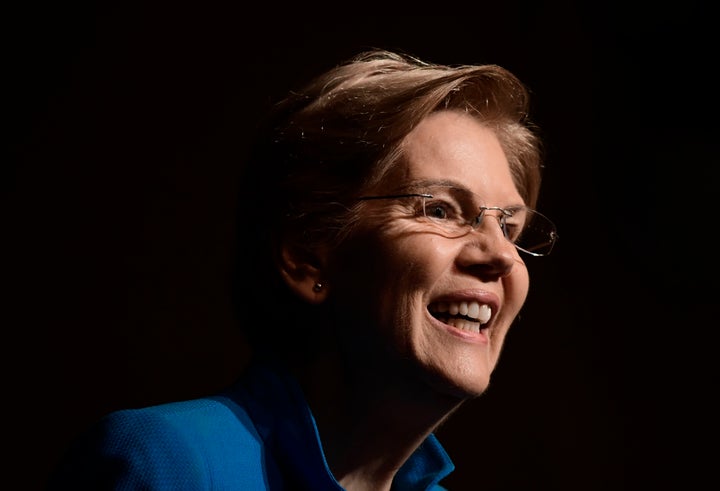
(396, 284)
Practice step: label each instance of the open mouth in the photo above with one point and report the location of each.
(468, 316)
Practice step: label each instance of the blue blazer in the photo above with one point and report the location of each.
(258, 435)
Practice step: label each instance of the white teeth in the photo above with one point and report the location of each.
(465, 325)
(474, 310)
(483, 314)
(479, 312)
(463, 308)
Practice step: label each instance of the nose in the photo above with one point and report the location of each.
(487, 251)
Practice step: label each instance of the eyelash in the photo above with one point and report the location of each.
(450, 212)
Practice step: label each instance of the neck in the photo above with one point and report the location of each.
(371, 422)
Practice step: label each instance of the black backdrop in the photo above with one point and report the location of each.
(127, 126)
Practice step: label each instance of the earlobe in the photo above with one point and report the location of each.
(302, 272)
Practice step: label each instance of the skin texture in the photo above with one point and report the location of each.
(400, 371)
(408, 268)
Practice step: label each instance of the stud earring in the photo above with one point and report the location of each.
(317, 287)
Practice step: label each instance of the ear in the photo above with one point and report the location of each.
(302, 271)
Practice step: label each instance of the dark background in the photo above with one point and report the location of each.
(127, 127)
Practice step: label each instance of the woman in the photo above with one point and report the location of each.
(384, 214)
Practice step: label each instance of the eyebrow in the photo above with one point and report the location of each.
(419, 184)
(423, 183)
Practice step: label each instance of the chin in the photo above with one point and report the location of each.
(460, 386)
(471, 391)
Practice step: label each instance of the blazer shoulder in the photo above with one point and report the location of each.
(178, 445)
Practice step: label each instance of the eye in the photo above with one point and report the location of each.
(514, 225)
(512, 231)
(441, 210)
(436, 210)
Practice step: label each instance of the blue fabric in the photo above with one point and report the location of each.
(258, 435)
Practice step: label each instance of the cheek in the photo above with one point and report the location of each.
(517, 286)
(386, 272)
(378, 263)
(386, 249)
(381, 293)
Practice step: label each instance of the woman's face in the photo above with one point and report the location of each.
(396, 283)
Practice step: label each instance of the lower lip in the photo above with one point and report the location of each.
(466, 336)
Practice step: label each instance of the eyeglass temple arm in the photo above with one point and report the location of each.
(395, 196)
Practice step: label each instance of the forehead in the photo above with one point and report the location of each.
(453, 146)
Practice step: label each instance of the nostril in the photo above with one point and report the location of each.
(489, 253)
